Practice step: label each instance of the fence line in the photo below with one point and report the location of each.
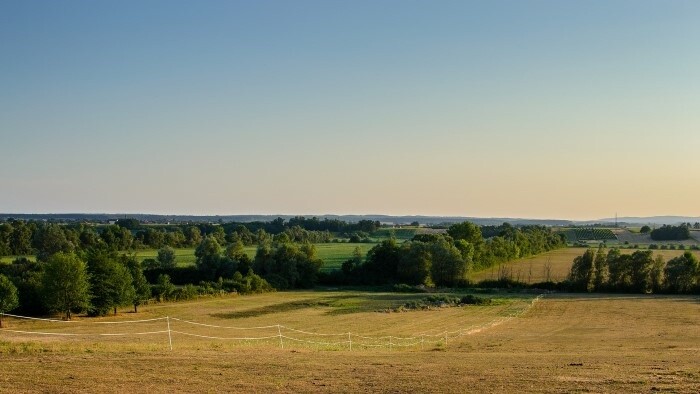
(84, 321)
(385, 341)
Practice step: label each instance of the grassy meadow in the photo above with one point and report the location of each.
(332, 254)
(562, 343)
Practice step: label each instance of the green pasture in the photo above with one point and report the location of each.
(332, 254)
(10, 259)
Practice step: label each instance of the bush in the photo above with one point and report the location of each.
(404, 288)
(187, 292)
(475, 300)
(502, 283)
(442, 301)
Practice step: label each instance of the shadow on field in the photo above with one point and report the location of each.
(335, 305)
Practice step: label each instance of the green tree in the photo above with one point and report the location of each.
(354, 262)
(21, 240)
(415, 263)
(5, 239)
(194, 236)
(51, 239)
(9, 299)
(601, 270)
(469, 232)
(286, 265)
(683, 273)
(166, 257)
(449, 267)
(111, 284)
(208, 254)
(65, 284)
(381, 263)
(164, 288)
(645, 229)
(582, 274)
(642, 265)
(657, 274)
(142, 290)
(618, 268)
(128, 223)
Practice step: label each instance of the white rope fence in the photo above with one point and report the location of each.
(278, 332)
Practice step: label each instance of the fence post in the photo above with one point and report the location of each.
(170, 335)
(422, 337)
(350, 341)
(279, 333)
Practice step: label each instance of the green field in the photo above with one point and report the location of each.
(10, 259)
(332, 254)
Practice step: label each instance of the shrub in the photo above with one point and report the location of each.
(475, 300)
(187, 292)
(404, 288)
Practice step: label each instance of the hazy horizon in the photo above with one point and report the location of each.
(536, 110)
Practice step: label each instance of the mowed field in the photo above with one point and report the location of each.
(554, 265)
(561, 343)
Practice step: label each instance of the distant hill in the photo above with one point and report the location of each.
(655, 220)
(387, 219)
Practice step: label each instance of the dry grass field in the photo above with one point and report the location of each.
(562, 343)
(554, 265)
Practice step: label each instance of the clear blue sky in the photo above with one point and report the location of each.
(567, 109)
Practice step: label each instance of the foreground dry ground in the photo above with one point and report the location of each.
(564, 343)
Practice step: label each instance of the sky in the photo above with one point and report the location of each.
(531, 109)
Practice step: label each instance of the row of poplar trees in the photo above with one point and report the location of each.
(639, 272)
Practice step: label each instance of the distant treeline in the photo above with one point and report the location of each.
(20, 238)
(445, 259)
(672, 233)
(639, 272)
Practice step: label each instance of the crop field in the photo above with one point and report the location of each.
(335, 254)
(554, 265)
(590, 234)
(561, 343)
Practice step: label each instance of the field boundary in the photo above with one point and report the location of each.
(275, 333)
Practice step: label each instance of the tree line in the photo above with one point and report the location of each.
(639, 272)
(97, 277)
(671, 233)
(98, 280)
(445, 259)
(20, 238)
